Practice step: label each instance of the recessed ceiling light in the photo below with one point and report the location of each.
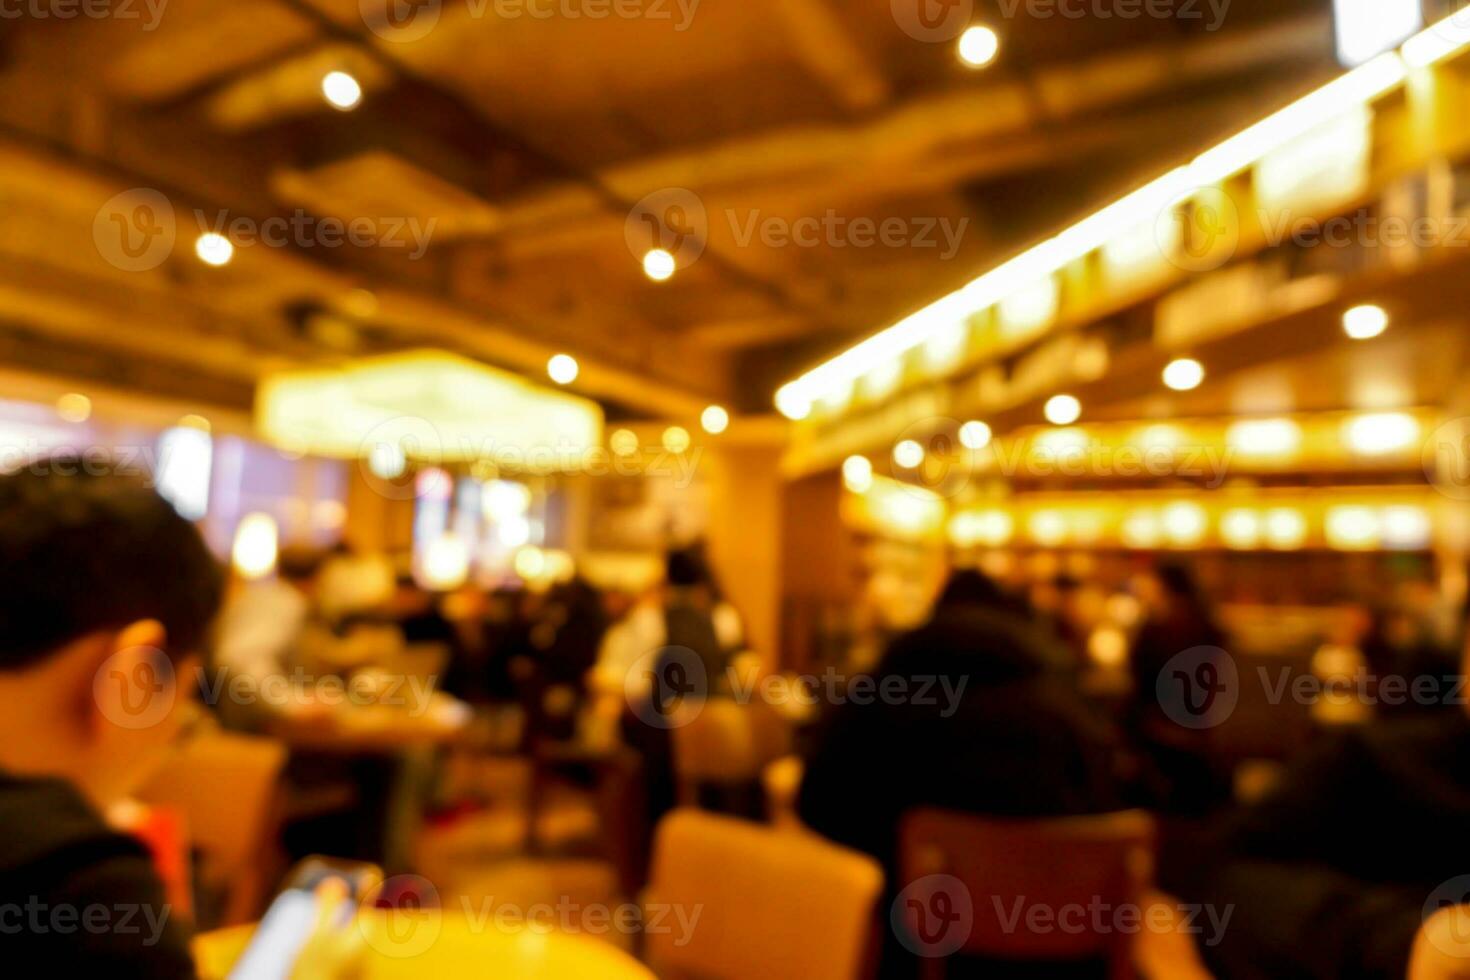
(341, 90)
(978, 46)
(563, 369)
(214, 249)
(1365, 322)
(1062, 410)
(1184, 374)
(659, 264)
(715, 420)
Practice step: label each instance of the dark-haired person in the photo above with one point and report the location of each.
(999, 729)
(106, 594)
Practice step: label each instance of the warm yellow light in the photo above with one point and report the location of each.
(341, 90)
(975, 435)
(256, 545)
(1062, 409)
(857, 474)
(502, 499)
(659, 264)
(714, 420)
(1047, 528)
(1108, 646)
(624, 442)
(1285, 528)
(434, 407)
(195, 422)
(676, 439)
(1142, 207)
(1352, 528)
(1264, 437)
(1365, 322)
(563, 369)
(1184, 524)
(74, 407)
(1406, 526)
(908, 454)
(1382, 433)
(386, 459)
(214, 249)
(530, 563)
(1240, 529)
(978, 46)
(1184, 374)
(446, 563)
(1141, 529)
(792, 405)
(1438, 42)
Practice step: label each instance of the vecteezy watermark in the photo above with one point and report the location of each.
(39, 918)
(669, 686)
(934, 916)
(1211, 13)
(385, 452)
(833, 230)
(410, 692)
(1446, 917)
(150, 12)
(1446, 459)
(675, 220)
(1200, 687)
(589, 919)
(405, 21)
(138, 229)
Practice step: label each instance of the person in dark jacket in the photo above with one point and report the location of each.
(105, 596)
(1332, 873)
(1000, 731)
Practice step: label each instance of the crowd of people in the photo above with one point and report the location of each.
(1328, 872)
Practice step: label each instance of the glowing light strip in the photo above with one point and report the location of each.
(1450, 36)
(1362, 84)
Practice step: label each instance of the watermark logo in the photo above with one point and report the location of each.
(150, 12)
(934, 916)
(673, 219)
(400, 21)
(403, 918)
(1200, 230)
(135, 230)
(1446, 459)
(1449, 933)
(1199, 687)
(932, 21)
(136, 688)
(667, 687)
(1211, 12)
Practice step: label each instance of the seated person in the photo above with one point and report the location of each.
(1002, 732)
(1332, 874)
(105, 597)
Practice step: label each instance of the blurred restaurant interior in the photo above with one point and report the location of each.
(741, 489)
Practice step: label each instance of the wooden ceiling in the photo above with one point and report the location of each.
(522, 143)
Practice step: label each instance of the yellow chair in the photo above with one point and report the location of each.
(770, 904)
(227, 787)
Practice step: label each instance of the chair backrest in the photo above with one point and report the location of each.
(1011, 867)
(726, 742)
(769, 903)
(226, 786)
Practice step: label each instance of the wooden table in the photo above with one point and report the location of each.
(448, 945)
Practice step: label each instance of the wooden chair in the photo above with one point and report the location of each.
(771, 903)
(726, 744)
(227, 786)
(1010, 866)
